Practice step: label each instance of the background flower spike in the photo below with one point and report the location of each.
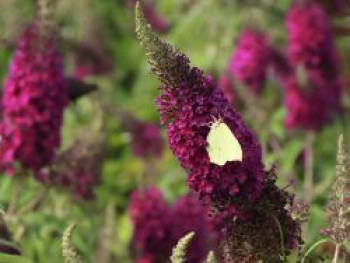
(70, 254)
(338, 207)
(179, 252)
(211, 257)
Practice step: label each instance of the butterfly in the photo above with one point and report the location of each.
(223, 146)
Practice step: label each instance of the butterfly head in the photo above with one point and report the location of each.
(216, 121)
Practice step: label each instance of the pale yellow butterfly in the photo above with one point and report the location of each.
(223, 146)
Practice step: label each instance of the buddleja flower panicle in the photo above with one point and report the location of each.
(188, 105)
(250, 60)
(311, 45)
(268, 233)
(157, 228)
(338, 207)
(35, 95)
(250, 208)
(151, 217)
(160, 54)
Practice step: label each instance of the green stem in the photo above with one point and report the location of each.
(14, 197)
(316, 244)
(309, 163)
(281, 236)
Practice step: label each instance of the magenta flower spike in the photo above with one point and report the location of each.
(157, 227)
(194, 218)
(311, 46)
(145, 137)
(188, 103)
(265, 220)
(151, 217)
(34, 98)
(250, 60)
(239, 194)
(310, 39)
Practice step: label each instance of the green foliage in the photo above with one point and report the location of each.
(6, 258)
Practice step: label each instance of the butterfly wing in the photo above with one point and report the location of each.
(223, 146)
(215, 154)
(213, 147)
(230, 146)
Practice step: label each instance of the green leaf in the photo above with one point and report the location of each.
(6, 258)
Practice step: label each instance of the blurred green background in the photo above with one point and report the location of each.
(205, 30)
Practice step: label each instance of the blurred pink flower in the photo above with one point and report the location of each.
(146, 139)
(157, 228)
(226, 86)
(310, 39)
(194, 218)
(91, 60)
(78, 168)
(250, 60)
(311, 46)
(151, 217)
(34, 98)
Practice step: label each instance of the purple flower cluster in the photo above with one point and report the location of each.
(311, 46)
(194, 218)
(91, 60)
(280, 65)
(303, 105)
(249, 62)
(151, 219)
(188, 103)
(76, 169)
(34, 98)
(157, 227)
(192, 106)
(146, 139)
(267, 218)
(240, 194)
(336, 7)
(310, 40)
